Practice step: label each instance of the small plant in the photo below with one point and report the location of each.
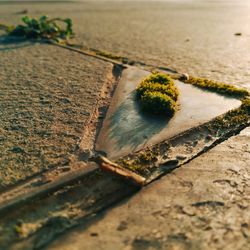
(158, 94)
(41, 28)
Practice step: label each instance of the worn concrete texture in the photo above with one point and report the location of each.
(46, 96)
(192, 36)
(203, 205)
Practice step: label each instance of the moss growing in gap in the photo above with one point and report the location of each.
(145, 161)
(219, 87)
(158, 95)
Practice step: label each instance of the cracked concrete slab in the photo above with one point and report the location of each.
(203, 205)
(47, 96)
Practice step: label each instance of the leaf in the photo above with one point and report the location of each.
(42, 27)
(26, 20)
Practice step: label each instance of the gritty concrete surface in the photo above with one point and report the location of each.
(192, 36)
(46, 96)
(126, 120)
(203, 205)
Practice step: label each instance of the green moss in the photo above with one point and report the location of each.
(140, 164)
(222, 88)
(168, 90)
(146, 157)
(240, 116)
(158, 95)
(143, 162)
(157, 103)
(107, 55)
(160, 78)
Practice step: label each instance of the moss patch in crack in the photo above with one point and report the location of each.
(107, 55)
(157, 94)
(219, 87)
(140, 164)
(146, 161)
(240, 116)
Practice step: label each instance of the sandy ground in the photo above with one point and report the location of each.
(203, 205)
(47, 95)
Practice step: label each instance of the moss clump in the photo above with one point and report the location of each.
(41, 28)
(158, 103)
(168, 90)
(222, 88)
(160, 78)
(158, 94)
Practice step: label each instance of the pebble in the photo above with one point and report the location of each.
(181, 157)
(123, 226)
(209, 137)
(93, 234)
(184, 77)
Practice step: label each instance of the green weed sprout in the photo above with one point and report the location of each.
(42, 28)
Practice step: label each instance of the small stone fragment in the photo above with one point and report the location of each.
(94, 234)
(188, 211)
(238, 34)
(209, 137)
(184, 77)
(123, 226)
(17, 150)
(181, 157)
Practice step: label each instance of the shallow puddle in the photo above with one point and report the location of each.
(126, 129)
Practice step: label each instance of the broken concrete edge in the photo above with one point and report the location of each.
(22, 191)
(47, 188)
(108, 200)
(154, 165)
(95, 120)
(34, 193)
(109, 166)
(153, 161)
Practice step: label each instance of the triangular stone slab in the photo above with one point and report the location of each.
(126, 129)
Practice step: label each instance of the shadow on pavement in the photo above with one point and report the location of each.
(10, 43)
(127, 128)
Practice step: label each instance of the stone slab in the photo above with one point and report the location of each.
(46, 96)
(126, 129)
